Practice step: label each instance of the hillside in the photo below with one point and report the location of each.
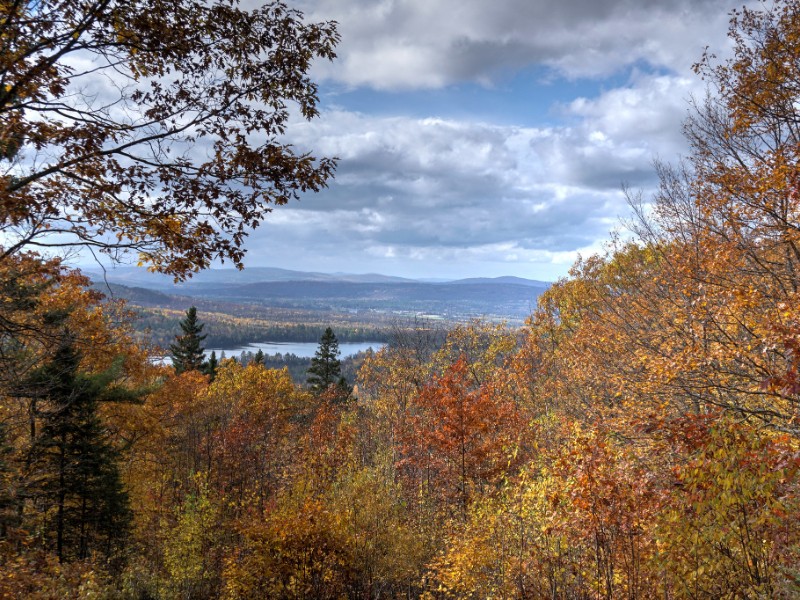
(510, 298)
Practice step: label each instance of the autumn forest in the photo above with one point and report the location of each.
(638, 437)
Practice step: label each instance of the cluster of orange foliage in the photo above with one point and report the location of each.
(638, 439)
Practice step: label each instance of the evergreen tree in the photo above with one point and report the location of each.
(326, 368)
(259, 358)
(187, 352)
(79, 489)
(210, 368)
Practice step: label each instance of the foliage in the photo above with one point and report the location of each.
(117, 174)
(459, 436)
(326, 368)
(638, 439)
(70, 371)
(77, 487)
(729, 530)
(189, 552)
(187, 353)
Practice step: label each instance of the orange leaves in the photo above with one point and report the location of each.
(463, 436)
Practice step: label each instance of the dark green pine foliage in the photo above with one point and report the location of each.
(259, 357)
(210, 368)
(326, 368)
(187, 351)
(78, 490)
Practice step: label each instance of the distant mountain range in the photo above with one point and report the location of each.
(502, 280)
(506, 297)
(135, 276)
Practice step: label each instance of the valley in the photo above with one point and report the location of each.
(276, 305)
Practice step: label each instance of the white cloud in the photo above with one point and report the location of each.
(443, 191)
(435, 196)
(412, 44)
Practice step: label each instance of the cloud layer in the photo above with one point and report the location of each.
(400, 44)
(458, 195)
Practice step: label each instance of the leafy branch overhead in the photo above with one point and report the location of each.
(152, 126)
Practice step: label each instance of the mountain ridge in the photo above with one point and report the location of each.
(139, 277)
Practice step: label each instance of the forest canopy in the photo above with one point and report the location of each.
(638, 438)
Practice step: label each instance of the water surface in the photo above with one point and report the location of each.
(302, 349)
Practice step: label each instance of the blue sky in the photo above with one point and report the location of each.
(487, 138)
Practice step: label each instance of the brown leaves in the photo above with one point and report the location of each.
(186, 76)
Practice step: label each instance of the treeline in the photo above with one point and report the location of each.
(159, 327)
(298, 366)
(481, 464)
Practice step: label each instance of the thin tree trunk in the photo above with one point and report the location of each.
(62, 493)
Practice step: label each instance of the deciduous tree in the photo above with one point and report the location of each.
(460, 437)
(152, 126)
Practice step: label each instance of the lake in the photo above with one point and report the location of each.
(302, 349)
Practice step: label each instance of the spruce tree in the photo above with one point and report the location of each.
(259, 357)
(210, 368)
(326, 368)
(78, 486)
(187, 352)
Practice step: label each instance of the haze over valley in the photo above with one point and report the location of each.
(268, 304)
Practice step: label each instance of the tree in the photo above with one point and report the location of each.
(326, 368)
(211, 366)
(152, 126)
(461, 436)
(187, 352)
(721, 311)
(259, 357)
(78, 487)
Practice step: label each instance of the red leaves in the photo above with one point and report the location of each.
(460, 435)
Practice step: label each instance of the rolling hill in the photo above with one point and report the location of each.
(510, 298)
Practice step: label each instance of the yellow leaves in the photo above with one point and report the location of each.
(169, 224)
(187, 553)
(253, 388)
(719, 522)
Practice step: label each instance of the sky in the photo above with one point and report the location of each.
(488, 137)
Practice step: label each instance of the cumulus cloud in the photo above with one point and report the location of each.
(433, 190)
(459, 195)
(411, 44)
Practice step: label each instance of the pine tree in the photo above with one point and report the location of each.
(210, 368)
(259, 357)
(187, 353)
(78, 488)
(326, 368)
